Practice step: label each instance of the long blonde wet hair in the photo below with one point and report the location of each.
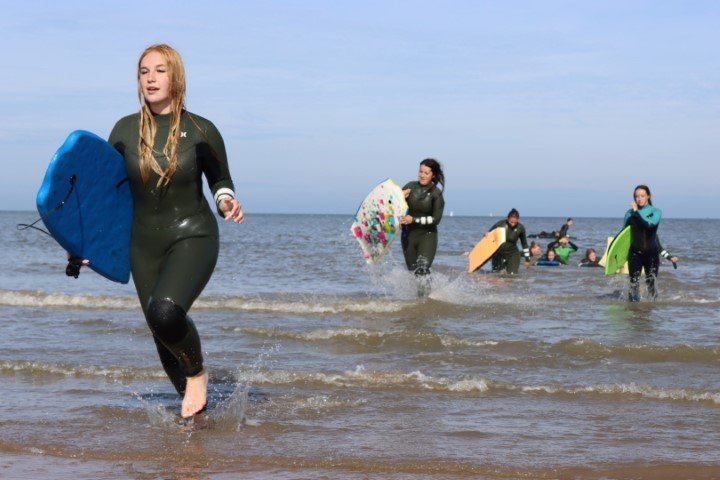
(148, 125)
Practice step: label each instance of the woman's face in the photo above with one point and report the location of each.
(551, 254)
(641, 197)
(513, 221)
(425, 175)
(154, 81)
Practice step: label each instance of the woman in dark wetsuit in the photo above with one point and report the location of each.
(644, 220)
(507, 256)
(174, 244)
(425, 208)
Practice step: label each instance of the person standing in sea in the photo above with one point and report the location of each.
(425, 209)
(644, 220)
(174, 243)
(507, 256)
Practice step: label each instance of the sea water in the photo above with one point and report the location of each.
(324, 367)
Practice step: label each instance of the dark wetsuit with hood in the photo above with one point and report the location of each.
(419, 239)
(174, 243)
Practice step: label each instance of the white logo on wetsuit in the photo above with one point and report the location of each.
(183, 134)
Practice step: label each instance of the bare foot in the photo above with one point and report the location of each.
(195, 395)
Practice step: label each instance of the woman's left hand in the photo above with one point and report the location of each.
(232, 210)
(407, 220)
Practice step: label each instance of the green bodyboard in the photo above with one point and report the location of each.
(618, 252)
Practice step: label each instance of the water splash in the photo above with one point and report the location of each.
(232, 411)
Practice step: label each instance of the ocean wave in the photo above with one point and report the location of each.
(310, 304)
(591, 349)
(416, 380)
(442, 301)
(367, 337)
(305, 305)
(44, 369)
(629, 391)
(36, 299)
(530, 351)
(360, 377)
(323, 403)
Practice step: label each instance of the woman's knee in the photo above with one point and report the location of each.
(167, 320)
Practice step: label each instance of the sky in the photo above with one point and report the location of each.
(556, 108)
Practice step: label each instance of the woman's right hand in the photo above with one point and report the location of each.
(406, 192)
(232, 209)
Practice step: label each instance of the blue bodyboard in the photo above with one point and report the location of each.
(86, 204)
(548, 263)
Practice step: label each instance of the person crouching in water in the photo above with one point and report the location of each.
(425, 209)
(507, 256)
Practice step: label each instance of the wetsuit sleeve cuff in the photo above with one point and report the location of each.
(222, 193)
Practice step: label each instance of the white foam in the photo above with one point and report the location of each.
(360, 377)
(458, 287)
(59, 300)
(631, 389)
(315, 335)
(308, 305)
(325, 403)
(450, 341)
(43, 368)
(305, 305)
(361, 334)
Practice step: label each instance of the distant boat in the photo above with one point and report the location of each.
(452, 213)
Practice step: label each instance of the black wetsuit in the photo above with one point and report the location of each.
(420, 238)
(507, 256)
(563, 230)
(644, 249)
(174, 243)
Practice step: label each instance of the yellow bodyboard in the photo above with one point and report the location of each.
(485, 249)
